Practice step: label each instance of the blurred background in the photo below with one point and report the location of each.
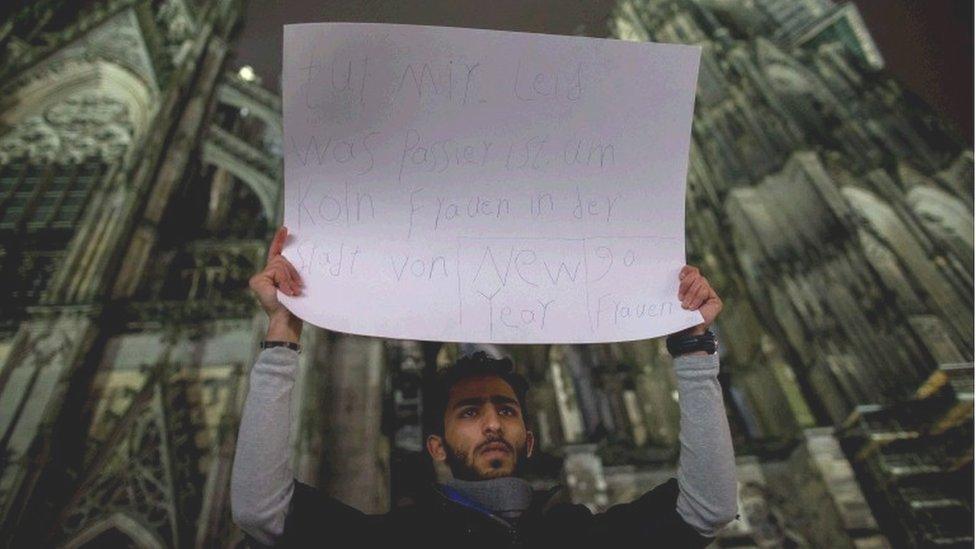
(830, 202)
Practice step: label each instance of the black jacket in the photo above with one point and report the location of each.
(651, 521)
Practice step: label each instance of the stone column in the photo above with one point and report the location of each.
(171, 169)
(577, 363)
(356, 453)
(221, 188)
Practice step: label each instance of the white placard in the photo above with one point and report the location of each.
(482, 186)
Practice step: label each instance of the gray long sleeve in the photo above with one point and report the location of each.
(261, 483)
(707, 497)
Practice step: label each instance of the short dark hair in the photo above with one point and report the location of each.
(478, 364)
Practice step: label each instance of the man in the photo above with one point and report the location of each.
(475, 424)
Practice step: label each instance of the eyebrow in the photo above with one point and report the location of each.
(478, 401)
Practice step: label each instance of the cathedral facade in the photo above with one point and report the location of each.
(836, 213)
(140, 178)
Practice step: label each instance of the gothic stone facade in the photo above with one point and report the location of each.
(836, 214)
(136, 200)
(139, 184)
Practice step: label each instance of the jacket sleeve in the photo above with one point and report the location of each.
(261, 484)
(317, 520)
(649, 521)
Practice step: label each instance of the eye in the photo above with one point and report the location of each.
(508, 411)
(469, 412)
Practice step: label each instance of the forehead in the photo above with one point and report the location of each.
(480, 387)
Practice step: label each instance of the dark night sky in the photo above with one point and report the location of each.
(926, 44)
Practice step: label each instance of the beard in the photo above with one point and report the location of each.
(463, 467)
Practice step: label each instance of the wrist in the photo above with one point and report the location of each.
(284, 326)
(693, 353)
(689, 343)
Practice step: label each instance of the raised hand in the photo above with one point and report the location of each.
(696, 294)
(278, 274)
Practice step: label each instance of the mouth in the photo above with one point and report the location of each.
(495, 448)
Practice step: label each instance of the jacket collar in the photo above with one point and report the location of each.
(542, 501)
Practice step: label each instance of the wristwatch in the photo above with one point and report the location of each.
(293, 346)
(683, 343)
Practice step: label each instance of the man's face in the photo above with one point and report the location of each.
(484, 431)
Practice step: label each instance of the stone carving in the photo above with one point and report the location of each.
(177, 24)
(78, 128)
(33, 139)
(947, 217)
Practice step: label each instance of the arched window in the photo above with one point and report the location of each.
(51, 163)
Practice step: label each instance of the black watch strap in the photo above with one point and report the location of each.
(270, 344)
(683, 343)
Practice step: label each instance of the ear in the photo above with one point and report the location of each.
(529, 443)
(435, 447)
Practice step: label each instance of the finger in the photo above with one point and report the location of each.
(294, 272)
(686, 283)
(701, 294)
(265, 277)
(691, 292)
(700, 297)
(289, 281)
(686, 270)
(714, 302)
(277, 243)
(281, 262)
(292, 282)
(688, 291)
(271, 272)
(280, 278)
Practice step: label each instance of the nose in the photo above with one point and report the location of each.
(491, 422)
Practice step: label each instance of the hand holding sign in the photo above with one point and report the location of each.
(468, 185)
(696, 294)
(278, 275)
